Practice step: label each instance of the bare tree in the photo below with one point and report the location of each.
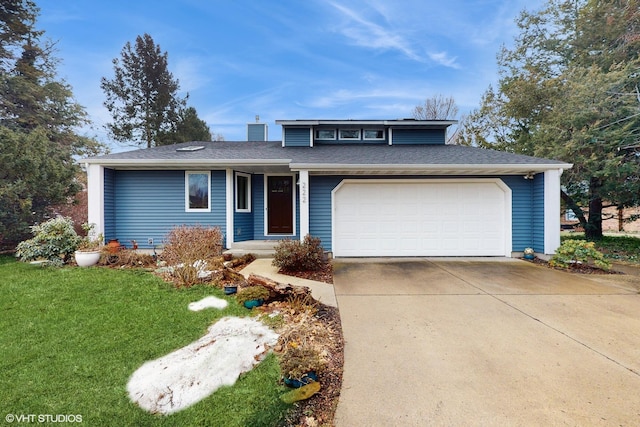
(436, 108)
(440, 108)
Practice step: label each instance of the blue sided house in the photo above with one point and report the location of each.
(366, 188)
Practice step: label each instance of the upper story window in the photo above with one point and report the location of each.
(326, 134)
(197, 191)
(373, 134)
(243, 192)
(349, 134)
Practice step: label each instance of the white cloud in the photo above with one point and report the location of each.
(443, 58)
(368, 34)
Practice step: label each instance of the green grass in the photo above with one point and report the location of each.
(615, 248)
(70, 338)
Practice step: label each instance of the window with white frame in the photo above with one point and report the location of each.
(197, 191)
(243, 192)
(373, 134)
(349, 134)
(325, 134)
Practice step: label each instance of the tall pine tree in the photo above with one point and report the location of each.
(38, 122)
(143, 95)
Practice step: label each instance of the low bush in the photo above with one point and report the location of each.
(579, 251)
(253, 293)
(188, 249)
(54, 240)
(294, 255)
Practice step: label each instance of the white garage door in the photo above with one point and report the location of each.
(422, 218)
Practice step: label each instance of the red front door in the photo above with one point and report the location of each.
(280, 205)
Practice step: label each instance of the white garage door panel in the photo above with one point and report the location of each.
(418, 218)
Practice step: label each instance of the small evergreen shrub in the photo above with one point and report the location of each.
(54, 240)
(190, 250)
(578, 251)
(294, 255)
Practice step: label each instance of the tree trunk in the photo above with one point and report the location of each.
(620, 218)
(577, 210)
(593, 230)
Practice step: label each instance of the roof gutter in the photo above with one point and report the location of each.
(431, 168)
(145, 163)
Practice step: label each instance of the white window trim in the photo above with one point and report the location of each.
(364, 134)
(315, 134)
(266, 204)
(186, 191)
(245, 175)
(358, 138)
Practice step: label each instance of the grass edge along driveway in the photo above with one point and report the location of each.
(72, 337)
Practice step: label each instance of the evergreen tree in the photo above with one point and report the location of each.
(568, 89)
(38, 118)
(143, 96)
(188, 128)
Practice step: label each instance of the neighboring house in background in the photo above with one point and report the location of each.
(364, 187)
(613, 220)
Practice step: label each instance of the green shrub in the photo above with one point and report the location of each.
(294, 255)
(578, 251)
(54, 240)
(253, 293)
(191, 249)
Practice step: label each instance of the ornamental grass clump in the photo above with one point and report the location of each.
(54, 240)
(189, 250)
(294, 255)
(573, 252)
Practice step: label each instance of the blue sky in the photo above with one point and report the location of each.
(289, 59)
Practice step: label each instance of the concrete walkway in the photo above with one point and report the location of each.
(322, 292)
(486, 343)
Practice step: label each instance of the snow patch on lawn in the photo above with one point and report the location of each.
(232, 346)
(208, 302)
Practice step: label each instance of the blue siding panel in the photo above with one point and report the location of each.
(243, 226)
(110, 204)
(418, 136)
(538, 213)
(149, 203)
(522, 211)
(296, 137)
(257, 190)
(257, 132)
(243, 221)
(320, 188)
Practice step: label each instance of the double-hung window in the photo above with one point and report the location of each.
(197, 191)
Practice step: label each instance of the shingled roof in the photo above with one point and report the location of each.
(330, 158)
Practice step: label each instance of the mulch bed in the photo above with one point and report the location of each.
(578, 268)
(325, 274)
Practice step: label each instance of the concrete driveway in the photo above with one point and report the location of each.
(486, 343)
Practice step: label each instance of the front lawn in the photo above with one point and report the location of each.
(615, 248)
(70, 338)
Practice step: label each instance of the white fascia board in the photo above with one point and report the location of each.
(510, 168)
(175, 163)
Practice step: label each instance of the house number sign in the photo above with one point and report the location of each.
(303, 192)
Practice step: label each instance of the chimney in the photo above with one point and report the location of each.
(257, 131)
